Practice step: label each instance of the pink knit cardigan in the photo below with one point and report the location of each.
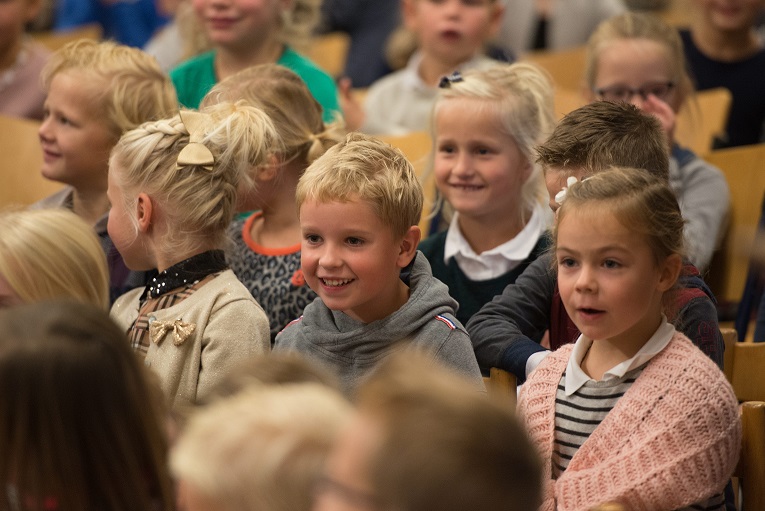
(671, 441)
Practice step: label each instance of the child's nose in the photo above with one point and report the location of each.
(329, 257)
(463, 166)
(586, 282)
(44, 131)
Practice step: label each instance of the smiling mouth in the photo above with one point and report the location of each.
(336, 282)
(468, 188)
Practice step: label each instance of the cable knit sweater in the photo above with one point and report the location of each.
(672, 440)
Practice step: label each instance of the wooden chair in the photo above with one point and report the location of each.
(744, 169)
(329, 52)
(501, 384)
(54, 40)
(702, 119)
(416, 147)
(566, 67)
(20, 165)
(750, 471)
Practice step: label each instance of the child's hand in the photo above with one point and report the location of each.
(662, 111)
(352, 110)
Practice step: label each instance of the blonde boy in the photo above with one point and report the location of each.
(359, 206)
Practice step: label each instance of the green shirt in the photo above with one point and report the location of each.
(195, 77)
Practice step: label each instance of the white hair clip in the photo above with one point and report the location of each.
(561, 195)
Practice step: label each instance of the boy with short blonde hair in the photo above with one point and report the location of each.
(359, 208)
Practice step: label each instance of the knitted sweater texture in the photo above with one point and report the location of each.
(671, 441)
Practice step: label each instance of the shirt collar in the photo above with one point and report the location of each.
(499, 260)
(186, 272)
(576, 377)
(412, 77)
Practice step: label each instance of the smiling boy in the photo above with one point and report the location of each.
(359, 208)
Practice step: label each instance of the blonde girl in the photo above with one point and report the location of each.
(81, 423)
(95, 92)
(635, 57)
(266, 251)
(172, 185)
(485, 126)
(632, 401)
(50, 253)
(244, 33)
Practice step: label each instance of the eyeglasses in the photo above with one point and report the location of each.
(621, 93)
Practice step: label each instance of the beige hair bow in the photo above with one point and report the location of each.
(195, 153)
(181, 331)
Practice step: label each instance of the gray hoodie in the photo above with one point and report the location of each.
(351, 348)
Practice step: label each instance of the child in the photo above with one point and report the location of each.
(48, 254)
(724, 50)
(359, 208)
(424, 440)
(80, 423)
(665, 431)
(172, 186)
(507, 331)
(96, 92)
(263, 448)
(636, 57)
(266, 251)
(450, 35)
(245, 34)
(21, 61)
(484, 131)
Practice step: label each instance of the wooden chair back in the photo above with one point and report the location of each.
(566, 67)
(416, 147)
(55, 39)
(501, 384)
(702, 119)
(750, 471)
(329, 51)
(20, 165)
(744, 169)
(744, 366)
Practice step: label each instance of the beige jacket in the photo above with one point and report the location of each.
(229, 326)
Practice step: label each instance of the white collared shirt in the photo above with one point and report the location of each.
(499, 260)
(576, 377)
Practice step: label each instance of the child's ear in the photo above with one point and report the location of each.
(408, 246)
(144, 210)
(269, 170)
(670, 271)
(495, 21)
(409, 14)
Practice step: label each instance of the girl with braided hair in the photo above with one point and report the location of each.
(266, 251)
(173, 187)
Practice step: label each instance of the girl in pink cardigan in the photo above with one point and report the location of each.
(632, 412)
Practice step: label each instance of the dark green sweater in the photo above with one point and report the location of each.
(470, 294)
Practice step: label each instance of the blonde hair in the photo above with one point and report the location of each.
(129, 86)
(198, 203)
(263, 448)
(636, 25)
(364, 168)
(297, 25)
(285, 98)
(52, 253)
(521, 97)
(642, 202)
